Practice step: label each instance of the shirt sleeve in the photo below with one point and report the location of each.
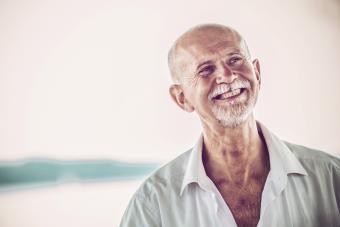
(337, 185)
(140, 213)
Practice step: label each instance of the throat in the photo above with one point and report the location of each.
(236, 168)
(236, 157)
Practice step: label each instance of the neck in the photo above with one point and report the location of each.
(235, 154)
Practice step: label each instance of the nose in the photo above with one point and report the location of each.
(226, 75)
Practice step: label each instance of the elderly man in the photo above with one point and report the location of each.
(238, 173)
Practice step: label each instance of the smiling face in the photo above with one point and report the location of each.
(216, 77)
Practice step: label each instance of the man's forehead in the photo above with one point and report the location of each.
(196, 53)
(209, 41)
(215, 48)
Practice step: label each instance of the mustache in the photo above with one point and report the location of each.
(224, 88)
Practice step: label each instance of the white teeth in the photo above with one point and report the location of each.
(219, 90)
(224, 91)
(230, 94)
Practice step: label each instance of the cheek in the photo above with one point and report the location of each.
(204, 87)
(246, 70)
(199, 94)
(248, 73)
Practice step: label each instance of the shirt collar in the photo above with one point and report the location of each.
(281, 157)
(282, 161)
(195, 172)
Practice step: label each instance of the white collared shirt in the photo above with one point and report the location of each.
(302, 189)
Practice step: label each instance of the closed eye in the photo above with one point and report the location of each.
(206, 71)
(235, 60)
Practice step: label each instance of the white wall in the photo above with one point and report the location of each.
(86, 78)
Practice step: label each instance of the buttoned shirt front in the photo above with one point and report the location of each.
(302, 189)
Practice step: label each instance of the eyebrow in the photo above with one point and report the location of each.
(204, 63)
(235, 51)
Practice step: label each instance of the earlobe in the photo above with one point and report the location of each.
(177, 94)
(188, 107)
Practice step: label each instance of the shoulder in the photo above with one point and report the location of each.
(167, 179)
(312, 157)
(156, 193)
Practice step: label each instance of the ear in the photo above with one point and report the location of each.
(177, 94)
(257, 69)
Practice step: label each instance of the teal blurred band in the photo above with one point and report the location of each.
(32, 173)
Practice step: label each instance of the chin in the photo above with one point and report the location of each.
(233, 122)
(233, 117)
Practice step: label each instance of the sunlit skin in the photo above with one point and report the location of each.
(235, 157)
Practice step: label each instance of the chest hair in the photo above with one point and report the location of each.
(243, 201)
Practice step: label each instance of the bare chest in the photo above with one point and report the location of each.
(244, 203)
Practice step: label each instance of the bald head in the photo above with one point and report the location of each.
(205, 35)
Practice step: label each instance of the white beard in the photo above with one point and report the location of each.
(233, 115)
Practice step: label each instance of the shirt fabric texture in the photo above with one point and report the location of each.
(301, 189)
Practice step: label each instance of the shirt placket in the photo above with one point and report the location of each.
(224, 216)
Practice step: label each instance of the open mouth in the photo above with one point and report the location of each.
(230, 95)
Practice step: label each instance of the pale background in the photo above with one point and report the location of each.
(89, 79)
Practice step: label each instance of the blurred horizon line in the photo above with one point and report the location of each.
(39, 172)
